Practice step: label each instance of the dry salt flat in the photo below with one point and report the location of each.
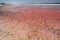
(30, 22)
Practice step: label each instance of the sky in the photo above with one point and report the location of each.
(29, 1)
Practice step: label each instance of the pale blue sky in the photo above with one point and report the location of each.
(29, 1)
